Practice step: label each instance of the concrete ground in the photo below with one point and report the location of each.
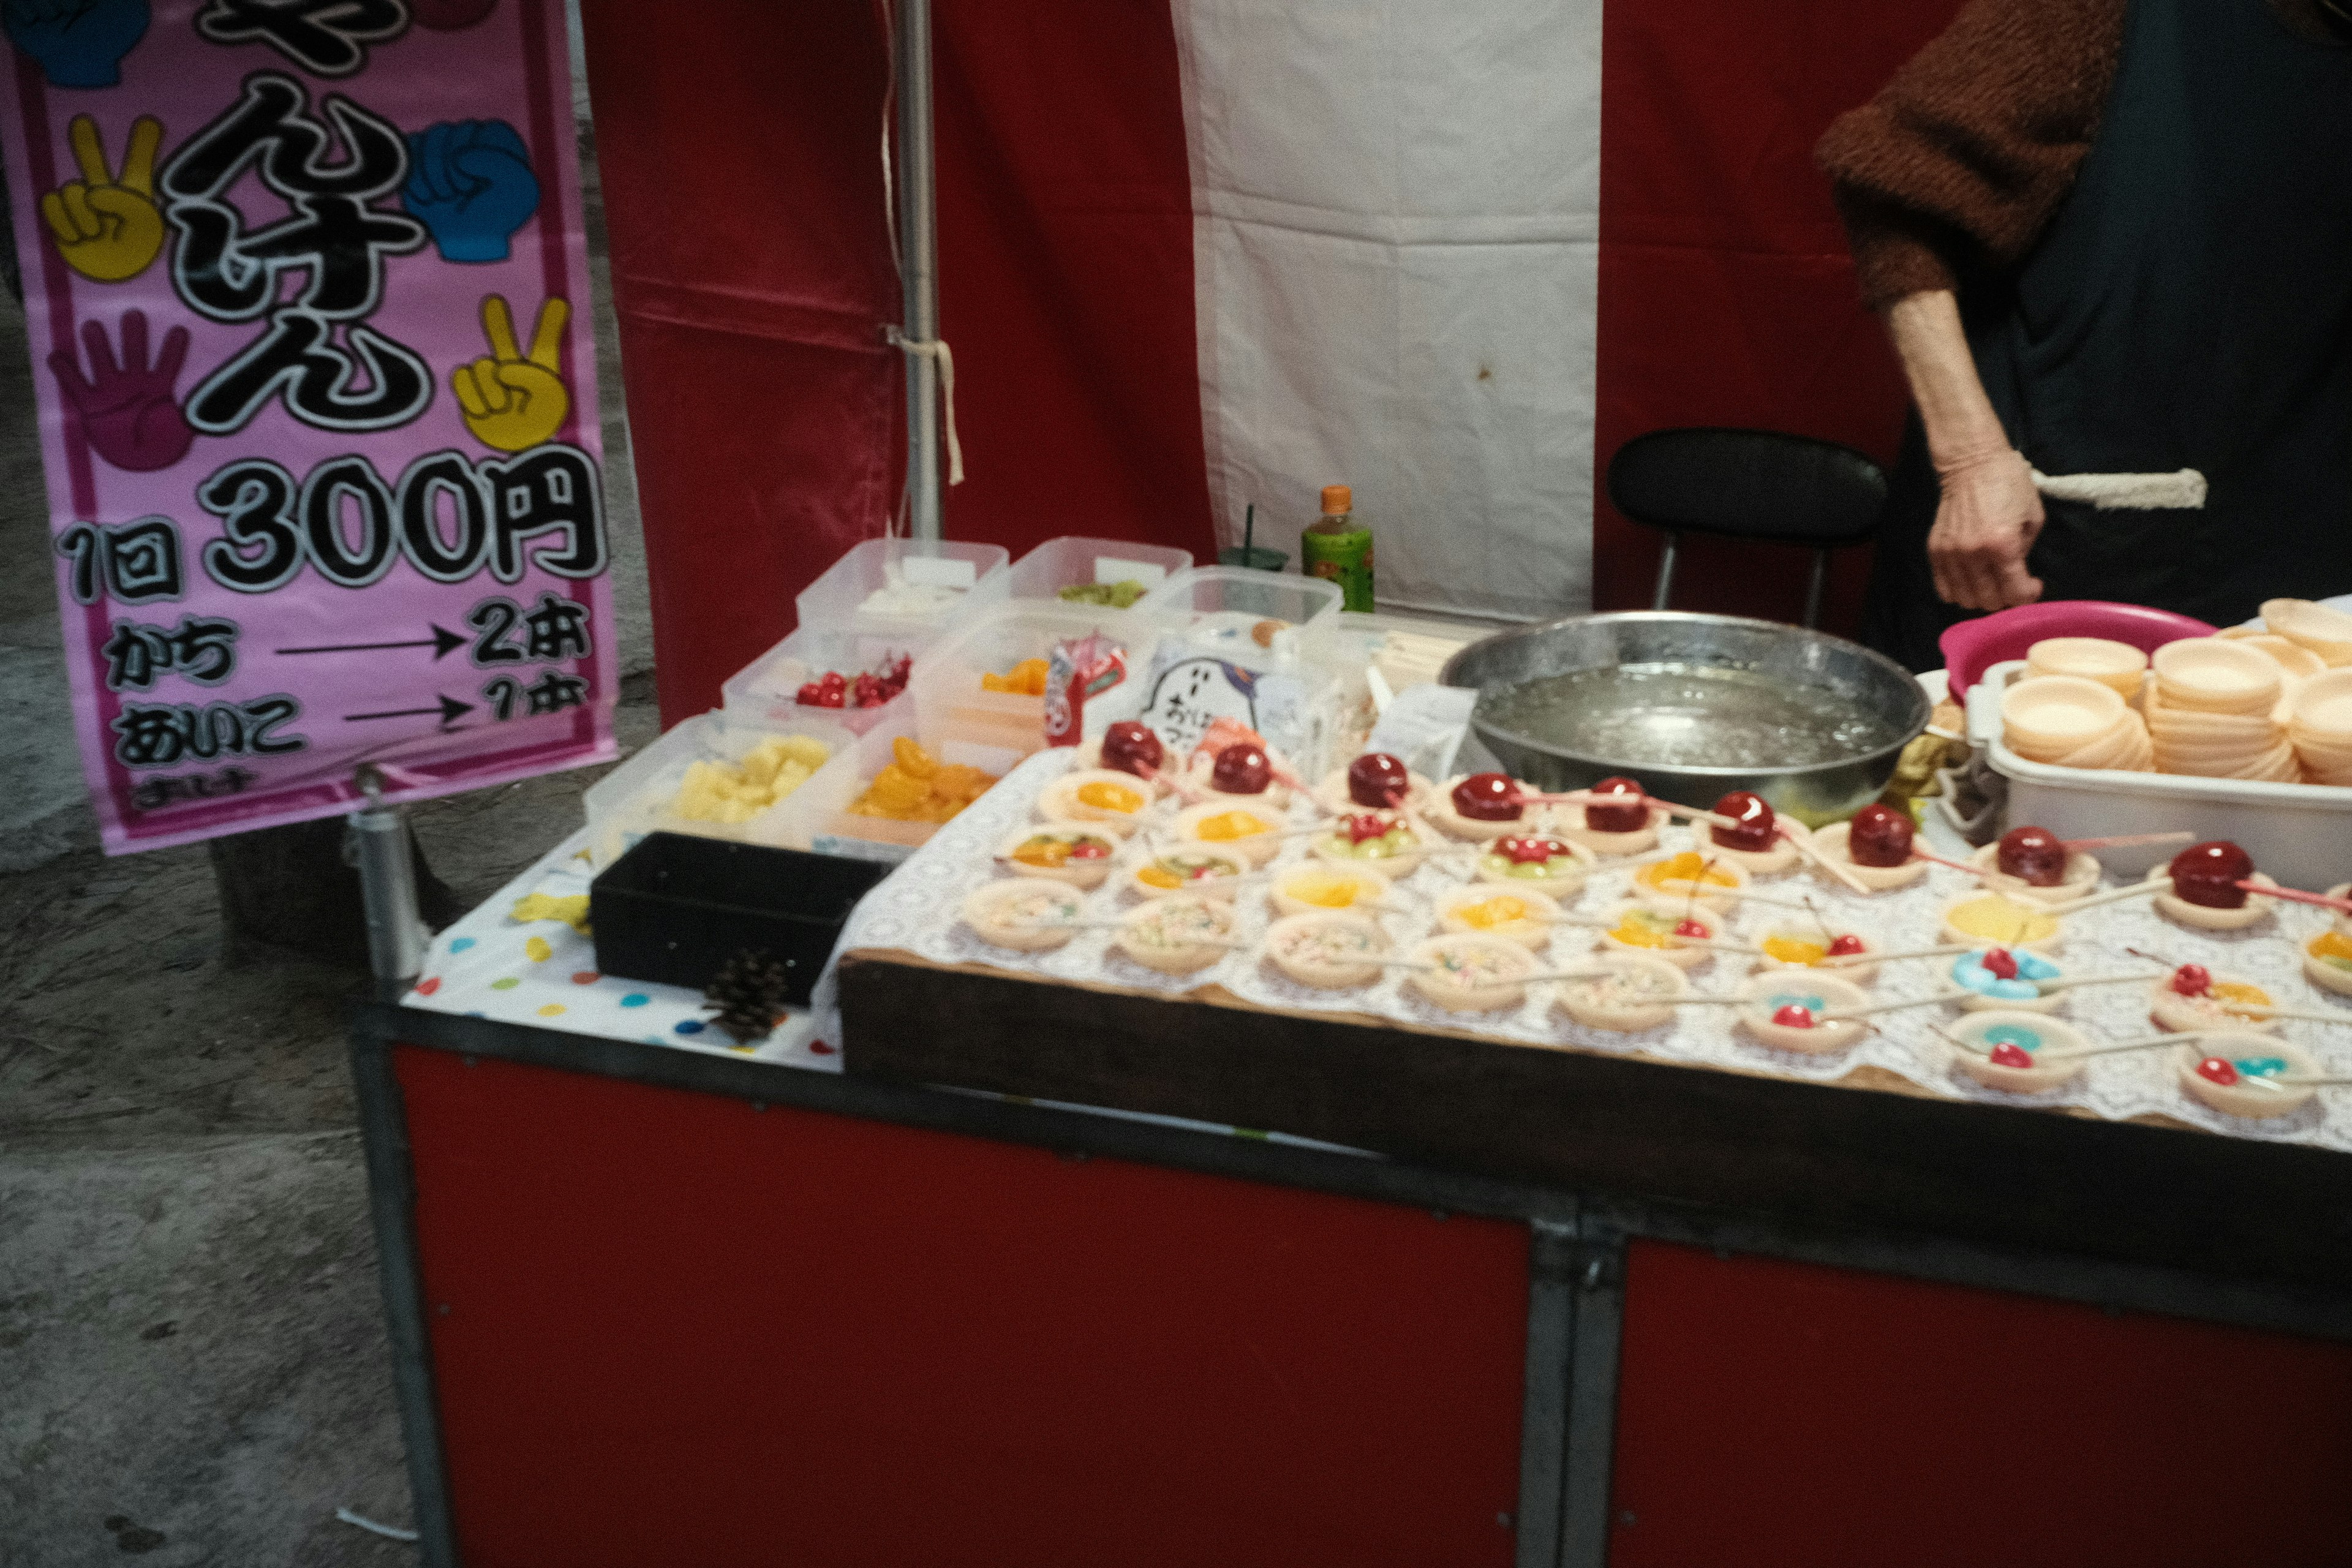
(193, 1366)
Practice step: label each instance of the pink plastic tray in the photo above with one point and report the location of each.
(1974, 646)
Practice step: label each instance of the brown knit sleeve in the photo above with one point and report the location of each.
(1971, 147)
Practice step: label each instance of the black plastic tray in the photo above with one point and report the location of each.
(676, 908)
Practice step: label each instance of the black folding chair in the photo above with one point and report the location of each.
(1748, 484)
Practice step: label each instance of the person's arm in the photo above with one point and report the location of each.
(1991, 513)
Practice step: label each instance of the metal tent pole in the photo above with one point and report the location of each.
(378, 845)
(918, 262)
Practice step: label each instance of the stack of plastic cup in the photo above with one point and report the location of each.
(2215, 710)
(2110, 663)
(2319, 725)
(2069, 721)
(2326, 632)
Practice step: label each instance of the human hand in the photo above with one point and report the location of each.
(1989, 517)
(448, 16)
(108, 229)
(470, 182)
(512, 401)
(128, 412)
(78, 43)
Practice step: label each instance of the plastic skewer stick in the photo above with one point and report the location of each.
(2063, 1055)
(2341, 906)
(2246, 1010)
(2129, 841)
(1716, 892)
(2283, 1083)
(1587, 798)
(2112, 896)
(2047, 986)
(1919, 854)
(1849, 1015)
(1949, 950)
(1950, 1038)
(1806, 847)
(1548, 974)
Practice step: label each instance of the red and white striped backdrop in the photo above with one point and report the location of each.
(1214, 251)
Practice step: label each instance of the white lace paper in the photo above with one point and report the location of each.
(915, 911)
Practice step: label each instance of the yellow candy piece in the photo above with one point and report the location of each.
(1493, 912)
(2244, 995)
(2003, 921)
(1686, 867)
(1324, 893)
(1106, 796)
(2332, 947)
(572, 911)
(1227, 826)
(1156, 877)
(1646, 928)
(1795, 950)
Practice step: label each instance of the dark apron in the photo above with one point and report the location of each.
(2190, 307)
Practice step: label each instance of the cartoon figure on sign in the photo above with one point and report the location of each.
(108, 229)
(127, 411)
(1193, 693)
(513, 402)
(469, 182)
(78, 43)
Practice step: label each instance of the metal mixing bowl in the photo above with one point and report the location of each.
(1815, 794)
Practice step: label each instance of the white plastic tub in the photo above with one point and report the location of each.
(634, 798)
(837, 599)
(2300, 834)
(994, 730)
(1071, 560)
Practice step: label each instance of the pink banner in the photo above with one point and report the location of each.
(318, 410)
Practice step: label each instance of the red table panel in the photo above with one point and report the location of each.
(1775, 1413)
(671, 1328)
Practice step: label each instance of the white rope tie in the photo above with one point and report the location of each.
(2180, 491)
(937, 349)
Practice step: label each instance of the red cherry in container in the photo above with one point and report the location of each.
(1379, 780)
(2033, 855)
(2000, 964)
(1241, 769)
(1088, 849)
(810, 695)
(2010, 1055)
(1131, 748)
(1630, 814)
(2216, 1069)
(1847, 946)
(1488, 798)
(1754, 826)
(2208, 875)
(2192, 980)
(1360, 829)
(1531, 851)
(1794, 1017)
(1693, 930)
(1880, 837)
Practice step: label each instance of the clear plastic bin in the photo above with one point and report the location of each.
(839, 597)
(1061, 562)
(767, 690)
(817, 816)
(1361, 643)
(994, 729)
(634, 798)
(1221, 606)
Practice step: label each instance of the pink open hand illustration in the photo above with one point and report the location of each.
(128, 411)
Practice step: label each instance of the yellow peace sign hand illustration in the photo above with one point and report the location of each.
(512, 400)
(108, 229)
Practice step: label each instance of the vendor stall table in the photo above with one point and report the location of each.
(654, 1302)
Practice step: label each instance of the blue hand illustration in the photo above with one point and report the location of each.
(469, 182)
(78, 43)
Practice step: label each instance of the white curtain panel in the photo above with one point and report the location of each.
(1396, 226)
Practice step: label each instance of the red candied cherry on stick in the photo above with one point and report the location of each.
(1364, 828)
(1794, 1016)
(1846, 946)
(1630, 814)
(1879, 836)
(1529, 851)
(2034, 856)
(1128, 747)
(1753, 826)
(2192, 980)
(1490, 797)
(1692, 930)
(2008, 1054)
(1241, 769)
(1088, 849)
(1379, 780)
(2208, 875)
(2218, 1069)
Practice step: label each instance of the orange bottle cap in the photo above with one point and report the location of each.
(1337, 499)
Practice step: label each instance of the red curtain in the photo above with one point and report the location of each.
(751, 272)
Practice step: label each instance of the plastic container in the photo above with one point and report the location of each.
(1357, 641)
(817, 816)
(2300, 834)
(1225, 602)
(634, 799)
(994, 730)
(675, 910)
(1058, 563)
(1974, 646)
(837, 598)
(766, 689)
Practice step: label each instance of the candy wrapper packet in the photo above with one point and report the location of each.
(1079, 669)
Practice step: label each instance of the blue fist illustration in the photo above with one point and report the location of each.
(469, 182)
(78, 43)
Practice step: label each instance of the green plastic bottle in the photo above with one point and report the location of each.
(1338, 547)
